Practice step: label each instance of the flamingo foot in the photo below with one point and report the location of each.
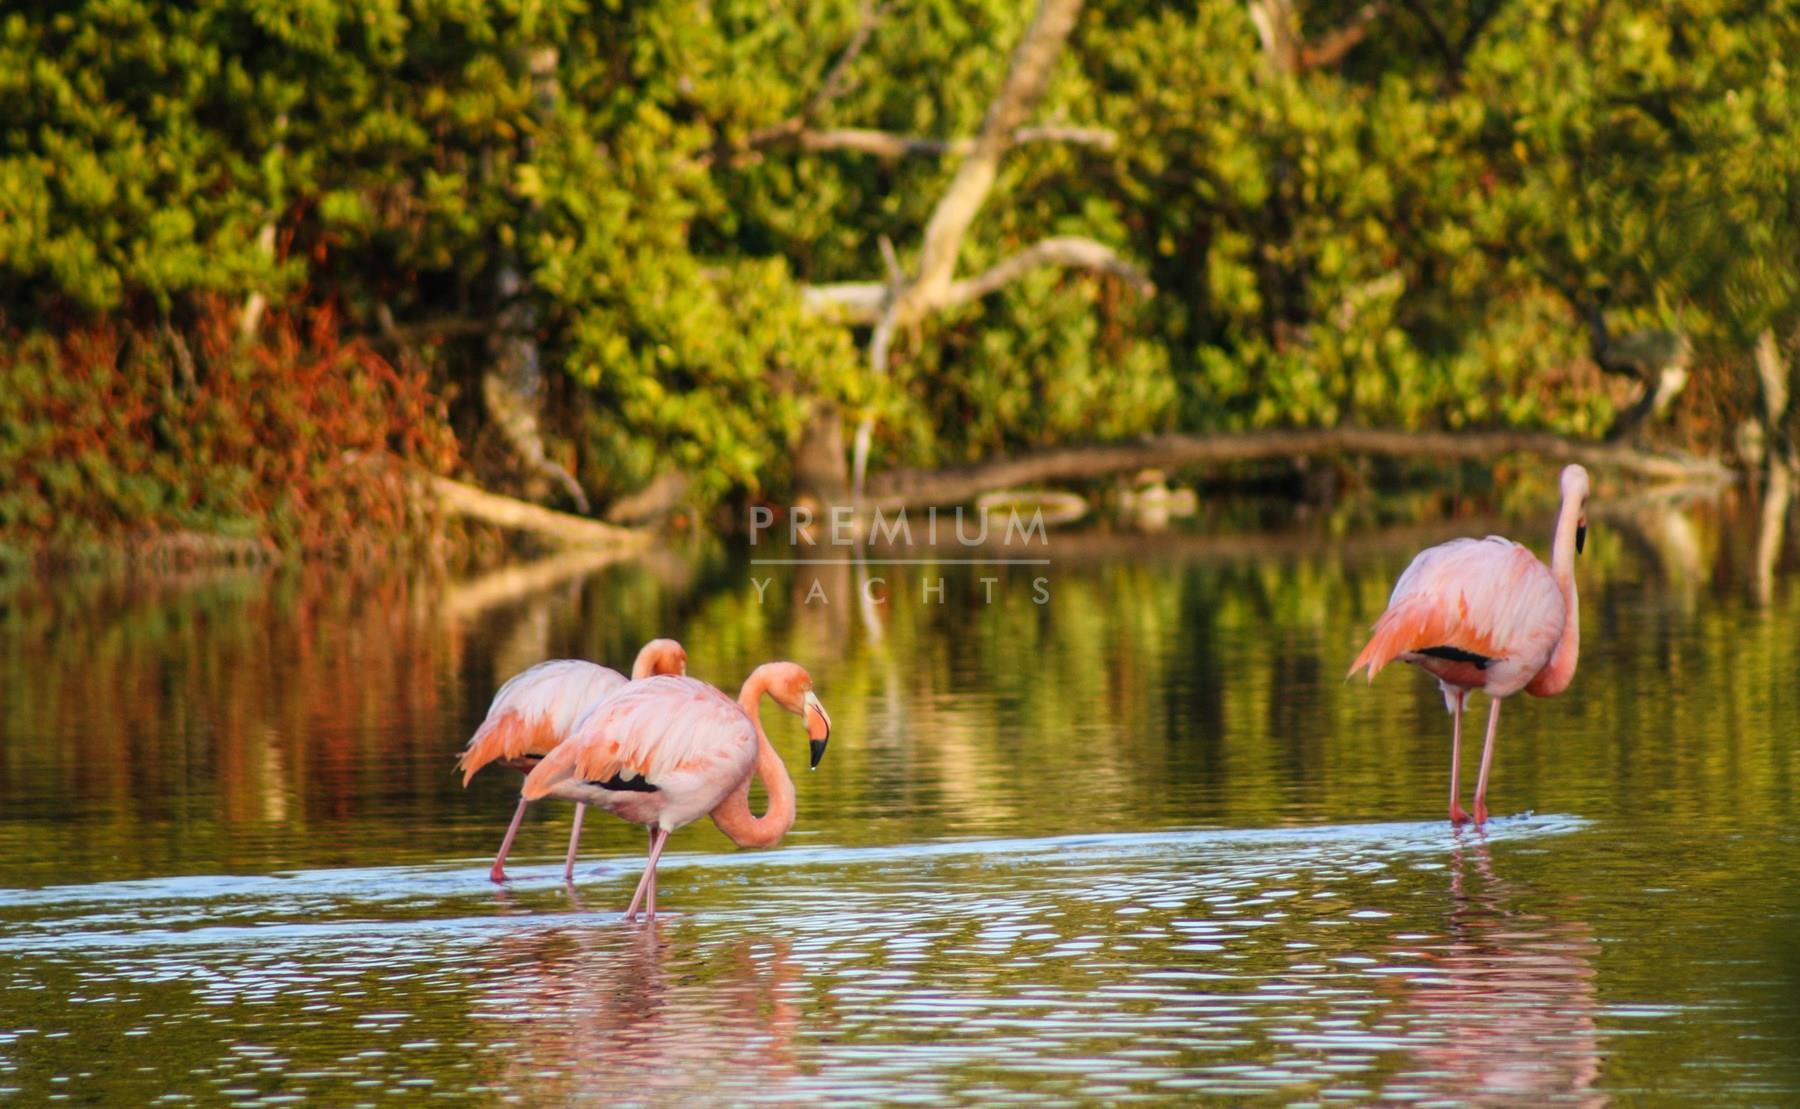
(497, 874)
(1457, 816)
(1481, 813)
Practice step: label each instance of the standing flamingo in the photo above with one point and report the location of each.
(534, 711)
(667, 751)
(1486, 614)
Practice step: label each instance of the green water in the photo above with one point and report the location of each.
(1140, 841)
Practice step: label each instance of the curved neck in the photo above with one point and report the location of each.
(733, 816)
(1560, 670)
(645, 665)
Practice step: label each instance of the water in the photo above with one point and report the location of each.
(1139, 842)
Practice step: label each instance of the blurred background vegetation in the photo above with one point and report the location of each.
(258, 260)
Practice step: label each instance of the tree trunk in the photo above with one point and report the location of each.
(819, 468)
(1279, 29)
(513, 386)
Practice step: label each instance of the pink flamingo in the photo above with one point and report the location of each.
(1486, 614)
(667, 751)
(533, 713)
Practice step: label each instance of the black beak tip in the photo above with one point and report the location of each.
(1580, 538)
(818, 751)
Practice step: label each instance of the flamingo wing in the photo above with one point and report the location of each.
(648, 733)
(1468, 603)
(535, 711)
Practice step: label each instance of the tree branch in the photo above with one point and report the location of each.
(830, 88)
(852, 302)
(835, 81)
(1330, 49)
(1438, 39)
(867, 302)
(1070, 251)
(916, 488)
(887, 144)
(559, 528)
(1024, 86)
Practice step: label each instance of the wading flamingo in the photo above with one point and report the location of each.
(534, 711)
(667, 751)
(1486, 614)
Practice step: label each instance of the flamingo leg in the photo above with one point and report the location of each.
(1457, 815)
(498, 873)
(574, 842)
(650, 896)
(658, 837)
(1487, 760)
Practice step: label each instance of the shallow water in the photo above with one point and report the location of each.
(1140, 841)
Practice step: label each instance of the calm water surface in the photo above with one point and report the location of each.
(1138, 842)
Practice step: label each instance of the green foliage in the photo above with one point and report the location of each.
(1415, 235)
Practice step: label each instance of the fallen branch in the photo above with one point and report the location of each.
(559, 528)
(917, 488)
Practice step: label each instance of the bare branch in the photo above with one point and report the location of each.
(1330, 49)
(836, 78)
(1023, 88)
(1071, 251)
(852, 302)
(830, 88)
(887, 144)
(866, 302)
(901, 303)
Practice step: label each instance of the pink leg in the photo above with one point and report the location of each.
(650, 895)
(658, 838)
(1487, 760)
(498, 874)
(574, 842)
(1457, 815)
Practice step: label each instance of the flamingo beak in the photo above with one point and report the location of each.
(1580, 536)
(818, 726)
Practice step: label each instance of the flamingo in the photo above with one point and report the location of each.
(666, 751)
(533, 712)
(1486, 614)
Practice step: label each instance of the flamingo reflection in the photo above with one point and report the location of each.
(1502, 1007)
(636, 1015)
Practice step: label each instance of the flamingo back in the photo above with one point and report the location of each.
(664, 731)
(1489, 605)
(535, 710)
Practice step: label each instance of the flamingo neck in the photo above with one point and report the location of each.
(733, 816)
(645, 664)
(1560, 670)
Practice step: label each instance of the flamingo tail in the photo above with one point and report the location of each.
(1412, 623)
(551, 771)
(506, 736)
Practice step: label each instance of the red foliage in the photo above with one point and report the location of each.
(299, 439)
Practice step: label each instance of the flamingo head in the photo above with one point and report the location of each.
(660, 656)
(1575, 492)
(792, 688)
